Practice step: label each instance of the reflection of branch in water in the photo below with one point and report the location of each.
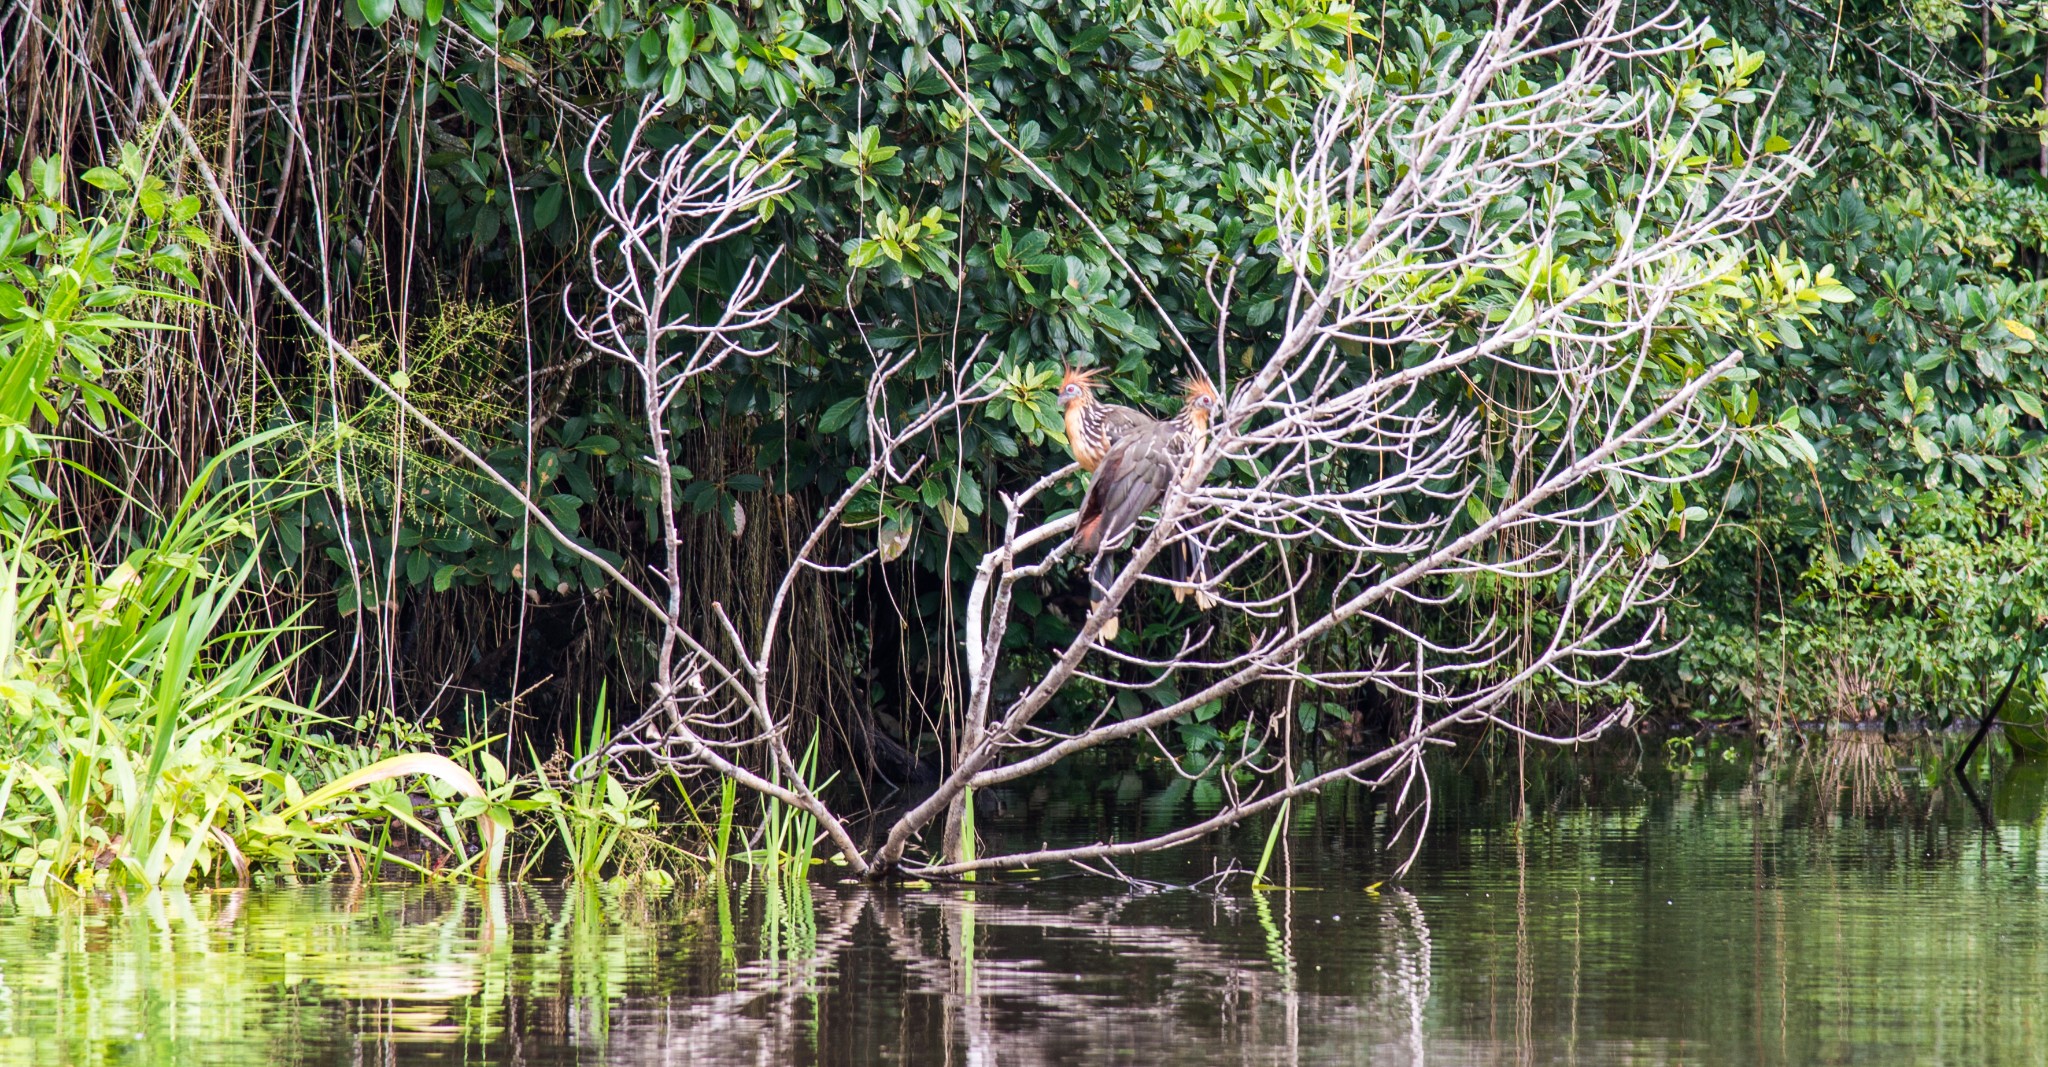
(1525, 972)
(1977, 802)
(1864, 765)
(1029, 982)
(1023, 976)
(1280, 951)
(761, 1019)
(1411, 970)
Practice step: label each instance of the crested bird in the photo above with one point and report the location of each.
(1133, 476)
(1093, 427)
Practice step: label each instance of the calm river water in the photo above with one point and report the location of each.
(1842, 903)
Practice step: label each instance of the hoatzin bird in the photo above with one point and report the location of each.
(1093, 427)
(1132, 477)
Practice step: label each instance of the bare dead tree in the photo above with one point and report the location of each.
(710, 695)
(1421, 225)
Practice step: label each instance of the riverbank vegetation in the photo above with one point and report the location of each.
(364, 479)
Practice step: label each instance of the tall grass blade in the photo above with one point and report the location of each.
(728, 800)
(431, 765)
(1273, 834)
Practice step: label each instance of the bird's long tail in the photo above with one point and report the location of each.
(1188, 565)
(1100, 575)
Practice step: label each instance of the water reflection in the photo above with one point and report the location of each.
(1837, 903)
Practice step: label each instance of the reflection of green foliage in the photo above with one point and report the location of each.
(210, 977)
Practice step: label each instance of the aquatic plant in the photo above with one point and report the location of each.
(599, 820)
(147, 737)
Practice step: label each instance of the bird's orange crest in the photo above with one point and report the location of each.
(1077, 384)
(1088, 378)
(1196, 390)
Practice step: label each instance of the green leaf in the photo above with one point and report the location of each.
(111, 180)
(547, 206)
(970, 495)
(838, 415)
(1090, 39)
(895, 537)
(1797, 444)
(481, 22)
(1043, 32)
(377, 12)
(723, 28)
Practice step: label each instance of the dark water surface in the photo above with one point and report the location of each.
(1837, 904)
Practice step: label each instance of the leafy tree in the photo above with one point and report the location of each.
(1923, 394)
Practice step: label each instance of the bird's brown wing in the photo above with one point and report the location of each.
(1094, 429)
(1150, 470)
(1131, 478)
(1120, 423)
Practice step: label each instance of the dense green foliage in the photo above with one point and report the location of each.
(145, 739)
(1869, 553)
(1892, 576)
(910, 228)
